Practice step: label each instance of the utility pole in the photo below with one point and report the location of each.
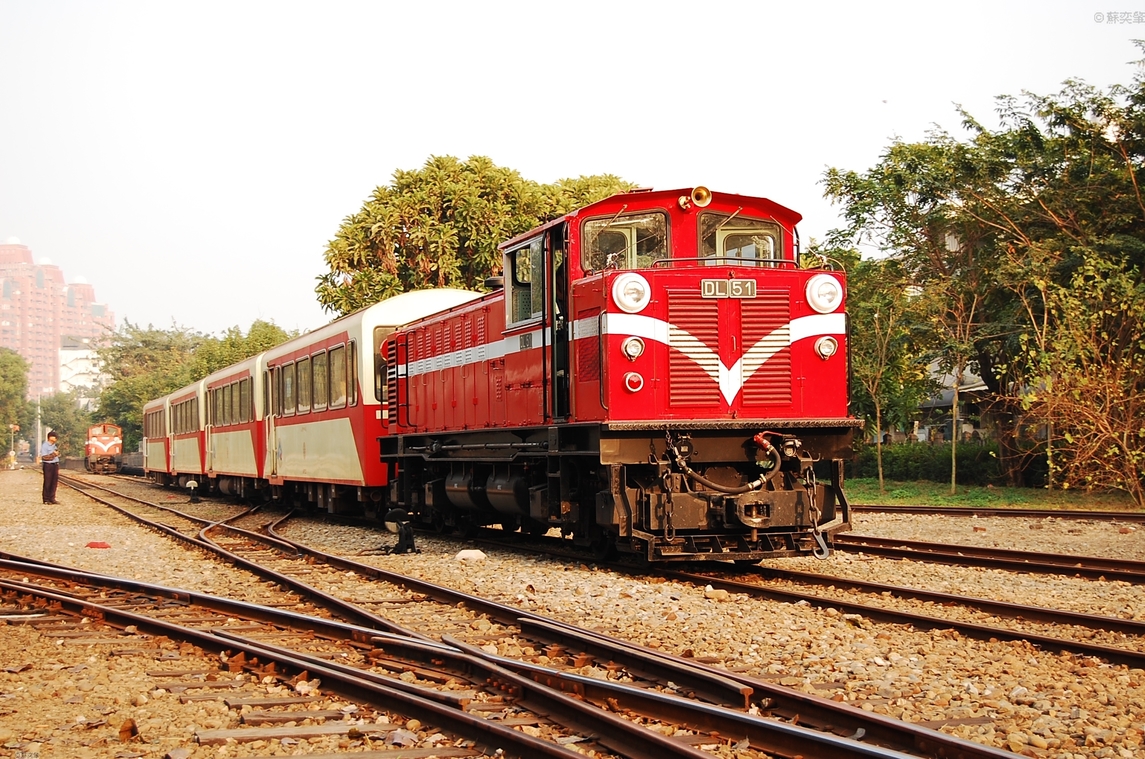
(39, 437)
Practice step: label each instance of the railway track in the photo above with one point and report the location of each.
(1124, 638)
(258, 645)
(477, 627)
(982, 512)
(1023, 561)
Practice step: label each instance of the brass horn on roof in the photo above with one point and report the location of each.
(700, 197)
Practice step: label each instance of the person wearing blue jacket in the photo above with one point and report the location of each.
(50, 460)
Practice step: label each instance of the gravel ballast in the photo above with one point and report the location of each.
(1009, 695)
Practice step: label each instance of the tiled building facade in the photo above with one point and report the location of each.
(38, 310)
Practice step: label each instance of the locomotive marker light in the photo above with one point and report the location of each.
(824, 293)
(826, 347)
(633, 382)
(633, 348)
(631, 292)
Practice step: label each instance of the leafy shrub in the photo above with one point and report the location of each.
(906, 462)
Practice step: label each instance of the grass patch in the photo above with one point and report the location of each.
(862, 490)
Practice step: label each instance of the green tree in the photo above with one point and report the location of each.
(234, 346)
(143, 364)
(888, 348)
(148, 363)
(13, 387)
(1001, 230)
(61, 413)
(440, 226)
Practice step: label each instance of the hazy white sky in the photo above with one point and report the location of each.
(192, 159)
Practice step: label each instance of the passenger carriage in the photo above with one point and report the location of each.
(236, 442)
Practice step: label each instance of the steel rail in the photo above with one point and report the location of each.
(998, 608)
(1023, 561)
(351, 686)
(613, 732)
(536, 688)
(768, 735)
(709, 685)
(822, 713)
(337, 605)
(983, 511)
(984, 632)
(809, 709)
(713, 687)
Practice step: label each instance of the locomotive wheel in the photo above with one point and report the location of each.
(437, 522)
(467, 527)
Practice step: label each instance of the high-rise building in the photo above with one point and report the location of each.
(39, 310)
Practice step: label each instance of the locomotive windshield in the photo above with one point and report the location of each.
(724, 236)
(624, 242)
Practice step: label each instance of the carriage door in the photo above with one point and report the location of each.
(557, 304)
(273, 393)
(210, 418)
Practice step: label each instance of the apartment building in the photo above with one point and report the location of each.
(40, 312)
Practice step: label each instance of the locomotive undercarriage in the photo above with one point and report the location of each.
(734, 494)
(101, 464)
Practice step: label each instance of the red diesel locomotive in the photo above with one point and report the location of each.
(103, 450)
(654, 373)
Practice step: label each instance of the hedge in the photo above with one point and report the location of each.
(978, 463)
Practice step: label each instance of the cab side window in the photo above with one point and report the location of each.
(526, 297)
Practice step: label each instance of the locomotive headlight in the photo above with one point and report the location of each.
(824, 293)
(826, 347)
(633, 382)
(633, 348)
(631, 292)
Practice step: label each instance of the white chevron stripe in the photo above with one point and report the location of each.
(730, 379)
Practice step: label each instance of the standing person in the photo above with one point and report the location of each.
(50, 459)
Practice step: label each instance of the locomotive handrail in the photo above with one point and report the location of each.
(600, 355)
(399, 377)
(752, 263)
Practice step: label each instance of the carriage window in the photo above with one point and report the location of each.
(236, 405)
(624, 242)
(289, 391)
(338, 377)
(244, 401)
(729, 236)
(226, 404)
(321, 380)
(304, 384)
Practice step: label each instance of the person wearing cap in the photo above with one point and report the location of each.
(50, 459)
